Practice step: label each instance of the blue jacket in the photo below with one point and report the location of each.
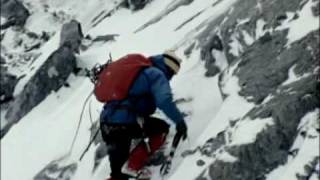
(150, 90)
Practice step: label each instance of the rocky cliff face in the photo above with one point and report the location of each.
(49, 77)
(263, 58)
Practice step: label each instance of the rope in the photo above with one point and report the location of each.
(90, 113)
(81, 116)
(95, 135)
(88, 146)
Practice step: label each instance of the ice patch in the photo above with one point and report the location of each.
(221, 59)
(229, 82)
(285, 23)
(246, 130)
(260, 28)
(227, 157)
(247, 38)
(236, 47)
(306, 23)
(242, 21)
(267, 99)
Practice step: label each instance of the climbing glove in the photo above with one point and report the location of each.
(182, 129)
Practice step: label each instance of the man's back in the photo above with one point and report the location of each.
(149, 90)
(140, 100)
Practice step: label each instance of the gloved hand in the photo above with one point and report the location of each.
(182, 129)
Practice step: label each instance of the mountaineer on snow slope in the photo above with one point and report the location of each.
(132, 88)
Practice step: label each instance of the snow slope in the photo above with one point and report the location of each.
(46, 133)
(56, 124)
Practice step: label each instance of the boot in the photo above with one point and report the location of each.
(141, 174)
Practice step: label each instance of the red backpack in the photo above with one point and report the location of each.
(115, 79)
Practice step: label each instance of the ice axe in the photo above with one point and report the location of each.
(166, 165)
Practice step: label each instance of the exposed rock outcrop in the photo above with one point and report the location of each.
(136, 4)
(213, 43)
(49, 77)
(264, 59)
(239, 27)
(272, 145)
(105, 38)
(269, 64)
(7, 85)
(15, 13)
(72, 34)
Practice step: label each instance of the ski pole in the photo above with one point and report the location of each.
(166, 166)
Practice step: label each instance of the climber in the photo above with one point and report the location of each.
(129, 118)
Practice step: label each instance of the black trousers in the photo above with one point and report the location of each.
(118, 138)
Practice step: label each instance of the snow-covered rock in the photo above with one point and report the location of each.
(15, 13)
(213, 43)
(135, 4)
(263, 58)
(72, 33)
(49, 77)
